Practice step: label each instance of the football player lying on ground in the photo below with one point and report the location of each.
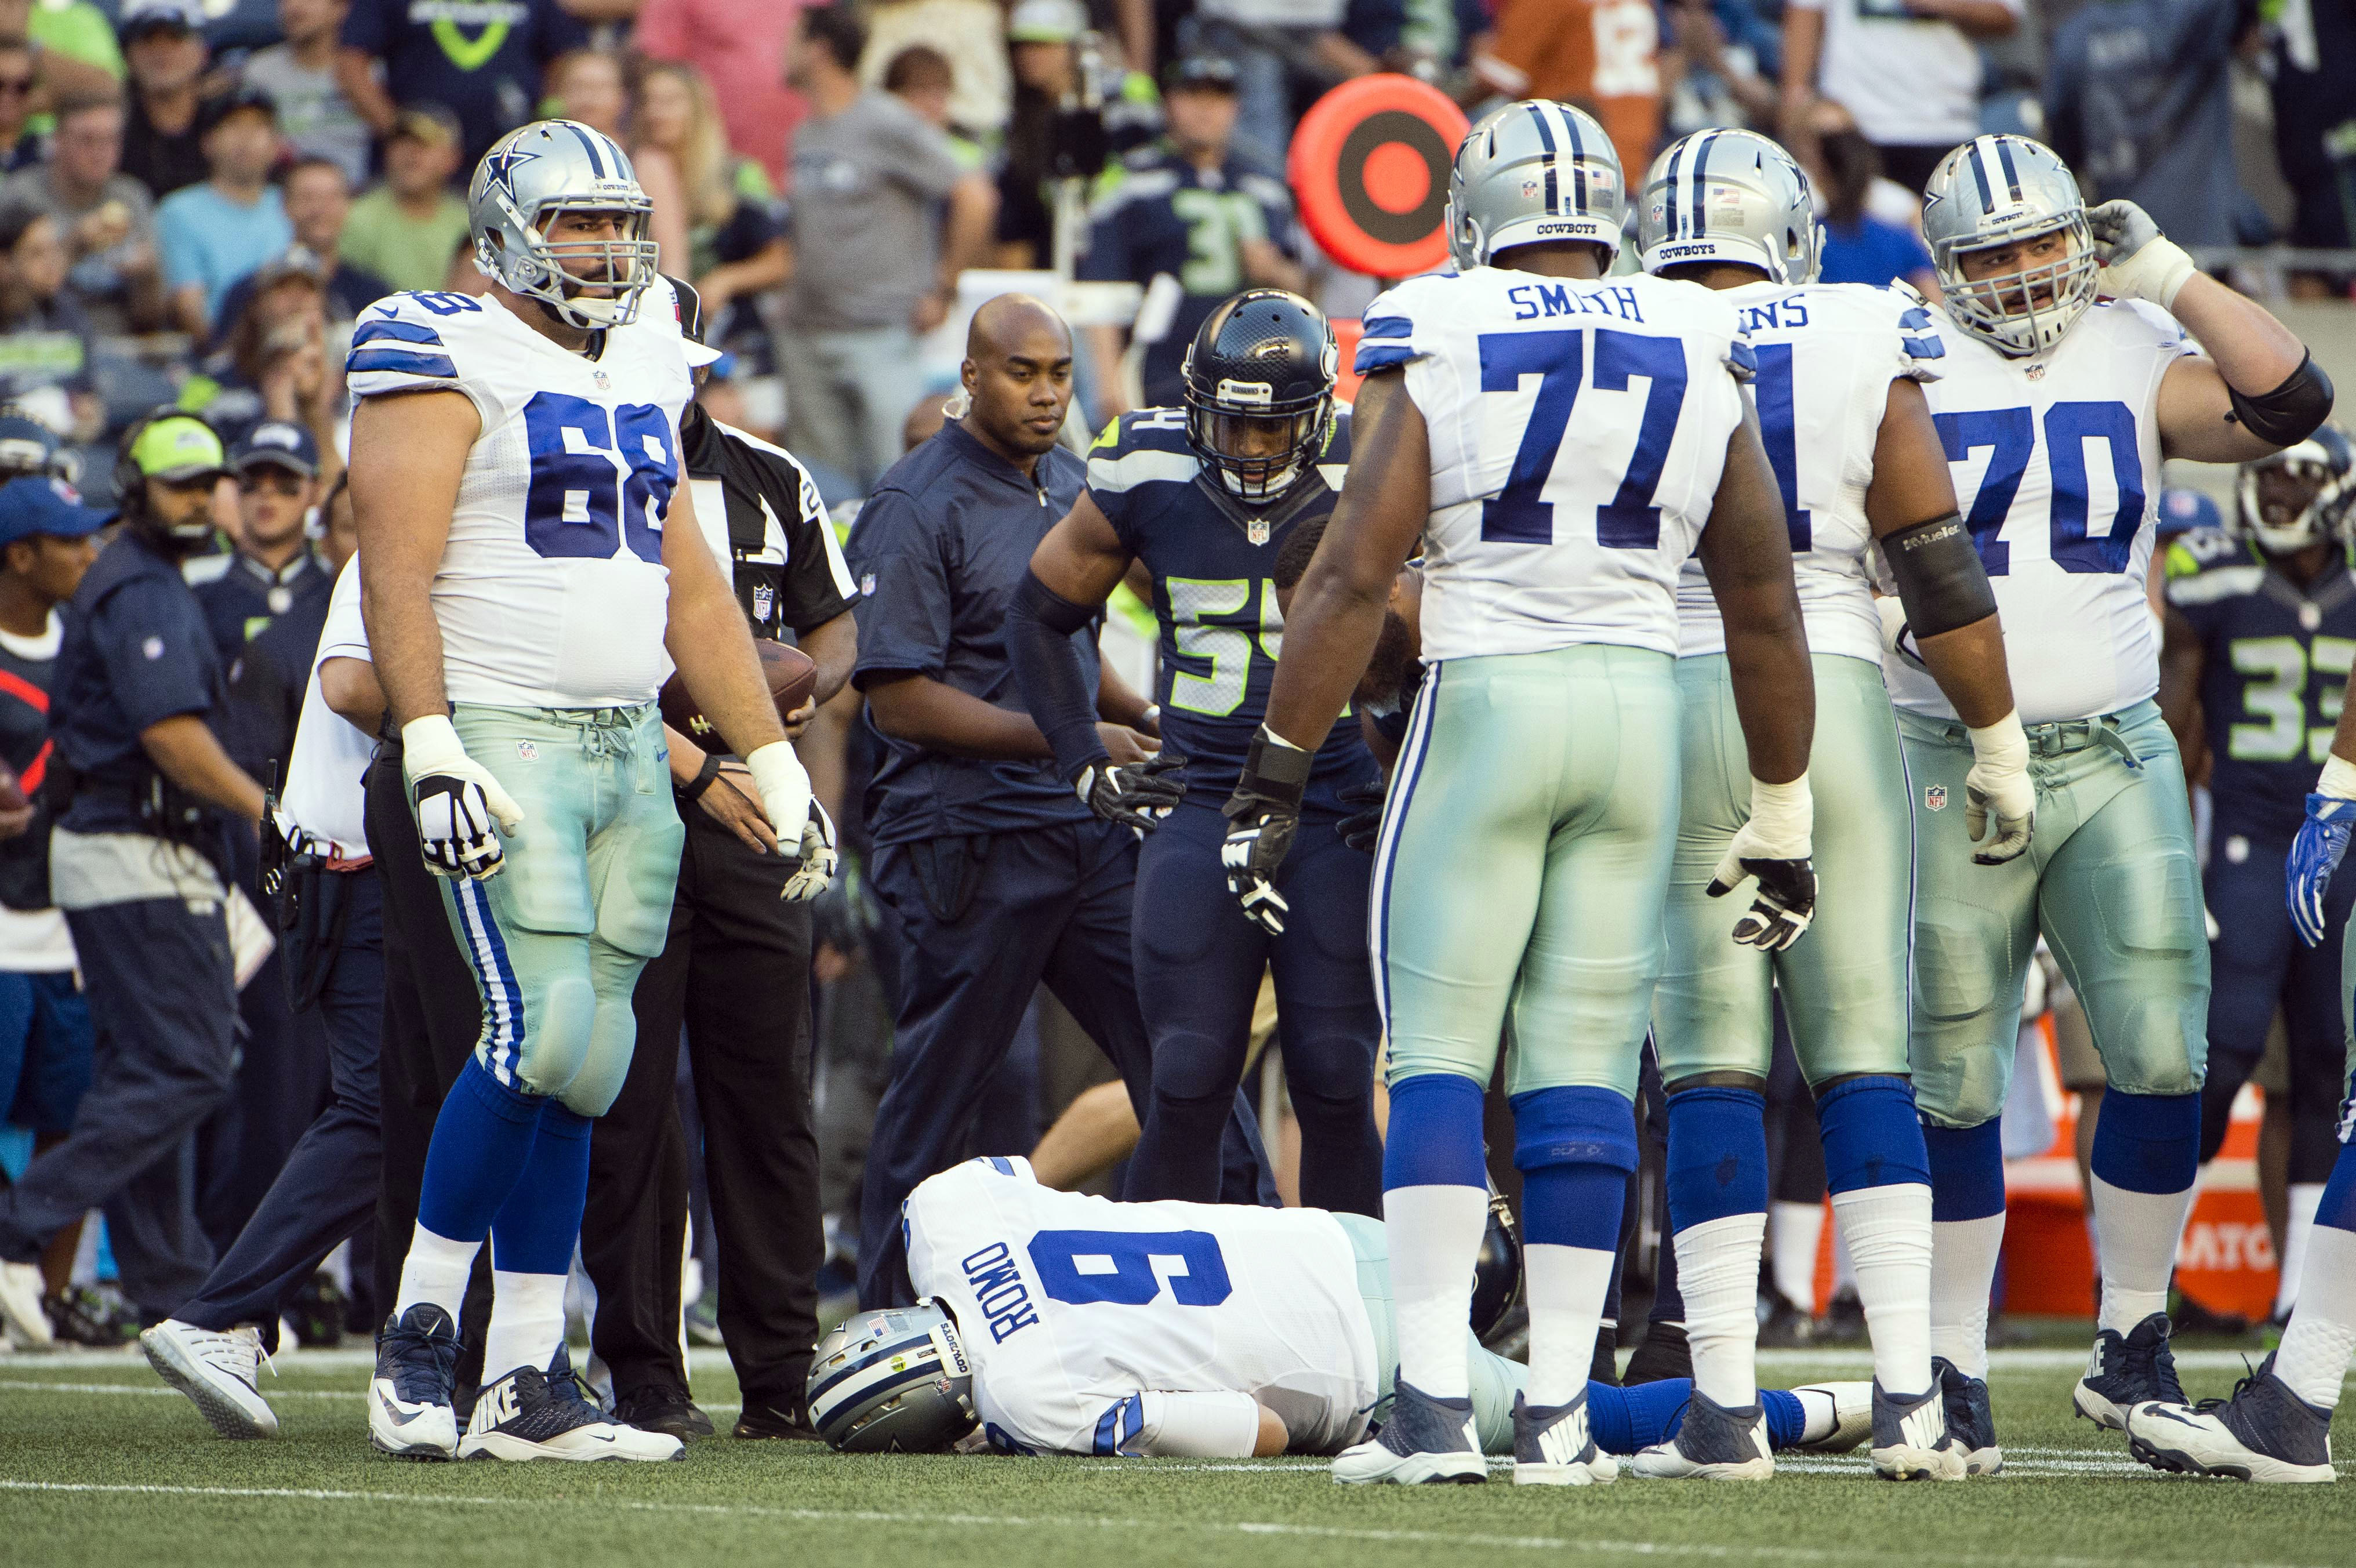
(1234, 1332)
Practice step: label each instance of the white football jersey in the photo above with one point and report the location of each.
(2056, 460)
(1578, 431)
(551, 592)
(1826, 355)
(1076, 1311)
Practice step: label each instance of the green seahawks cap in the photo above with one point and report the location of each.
(178, 447)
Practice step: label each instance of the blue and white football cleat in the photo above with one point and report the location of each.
(1425, 1441)
(1716, 1443)
(2127, 1370)
(2264, 1433)
(533, 1413)
(1910, 1441)
(1554, 1447)
(410, 1410)
(1971, 1420)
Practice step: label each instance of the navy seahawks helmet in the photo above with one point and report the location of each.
(28, 446)
(1262, 357)
(529, 177)
(1498, 1271)
(893, 1381)
(2325, 462)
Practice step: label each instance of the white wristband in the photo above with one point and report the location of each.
(2003, 744)
(430, 744)
(2338, 778)
(1782, 819)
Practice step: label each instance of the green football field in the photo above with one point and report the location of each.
(102, 1465)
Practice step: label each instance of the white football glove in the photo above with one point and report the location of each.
(818, 859)
(2139, 261)
(785, 789)
(1999, 785)
(1773, 845)
(455, 798)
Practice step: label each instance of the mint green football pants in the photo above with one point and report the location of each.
(1844, 984)
(2109, 881)
(556, 938)
(1524, 857)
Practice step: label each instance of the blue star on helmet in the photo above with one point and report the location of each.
(503, 165)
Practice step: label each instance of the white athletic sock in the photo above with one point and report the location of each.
(1964, 1255)
(436, 1271)
(1717, 1272)
(1566, 1287)
(2313, 1357)
(1844, 1265)
(1795, 1231)
(2138, 1231)
(2305, 1196)
(1435, 1241)
(1889, 1233)
(527, 1323)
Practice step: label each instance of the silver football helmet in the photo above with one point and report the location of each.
(1731, 197)
(2001, 191)
(893, 1381)
(1534, 173)
(549, 167)
(2325, 464)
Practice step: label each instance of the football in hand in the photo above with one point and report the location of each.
(792, 676)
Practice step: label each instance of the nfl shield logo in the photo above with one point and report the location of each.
(603, 384)
(527, 751)
(1257, 530)
(1934, 796)
(765, 599)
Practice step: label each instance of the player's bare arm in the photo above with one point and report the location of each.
(833, 647)
(185, 750)
(2180, 666)
(409, 454)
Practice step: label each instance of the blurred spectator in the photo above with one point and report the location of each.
(969, 34)
(1909, 70)
(20, 145)
(217, 233)
(489, 73)
(1860, 245)
(164, 46)
(299, 76)
(73, 40)
(2315, 119)
(920, 76)
(404, 229)
(464, 276)
(318, 204)
(1272, 43)
(272, 571)
(1040, 35)
(2139, 99)
(1712, 78)
(275, 365)
(1190, 207)
(1603, 55)
(45, 338)
(735, 246)
(740, 47)
(108, 218)
(586, 85)
(874, 264)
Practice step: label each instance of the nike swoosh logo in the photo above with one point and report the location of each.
(2161, 1413)
(400, 1418)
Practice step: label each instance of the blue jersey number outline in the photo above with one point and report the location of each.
(578, 501)
(2010, 436)
(1519, 513)
(1132, 1282)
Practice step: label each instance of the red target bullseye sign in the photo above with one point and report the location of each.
(1369, 167)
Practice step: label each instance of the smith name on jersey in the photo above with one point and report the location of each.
(2274, 671)
(1080, 1314)
(1214, 563)
(551, 592)
(1827, 354)
(1578, 431)
(2056, 462)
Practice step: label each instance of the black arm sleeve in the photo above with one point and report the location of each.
(1048, 673)
(1941, 580)
(2292, 412)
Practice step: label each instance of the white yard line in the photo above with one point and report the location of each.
(1878, 1552)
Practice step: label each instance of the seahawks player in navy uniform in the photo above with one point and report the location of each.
(2261, 631)
(1205, 497)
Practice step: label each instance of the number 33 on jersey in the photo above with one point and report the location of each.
(551, 592)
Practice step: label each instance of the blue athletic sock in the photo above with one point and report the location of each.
(1435, 1198)
(1631, 1420)
(1717, 1213)
(2337, 1207)
(1966, 1171)
(2147, 1154)
(2147, 1142)
(1574, 1146)
(1871, 1134)
(1787, 1423)
(1717, 1155)
(535, 1229)
(483, 1138)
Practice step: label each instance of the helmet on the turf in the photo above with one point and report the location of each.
(1498, 1271)
(2324, 466)
(1728, 197)
(2005, 190)
(1261, 374)
(1534, 173)
(893, 1381)
(529, 177)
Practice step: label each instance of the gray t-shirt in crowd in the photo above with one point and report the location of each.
(97, 278)
(867, 188)
(315, 116)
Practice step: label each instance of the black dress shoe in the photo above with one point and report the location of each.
(768, 1421)
(660, 1408)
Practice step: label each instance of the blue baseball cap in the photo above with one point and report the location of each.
(2181, 511)
(27, 445)
(32, 505)
(278, 442)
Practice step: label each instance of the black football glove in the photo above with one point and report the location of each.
(1779, 911)
(1135, 794)
(1363, 825)
(1265, 813)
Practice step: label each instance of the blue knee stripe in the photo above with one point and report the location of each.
(1435, 1134)
(2338, 1208)
(1871, 1136)
(1718, 1155)
(2149, 1142)
(1966, 1170)
(1574, 1146)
